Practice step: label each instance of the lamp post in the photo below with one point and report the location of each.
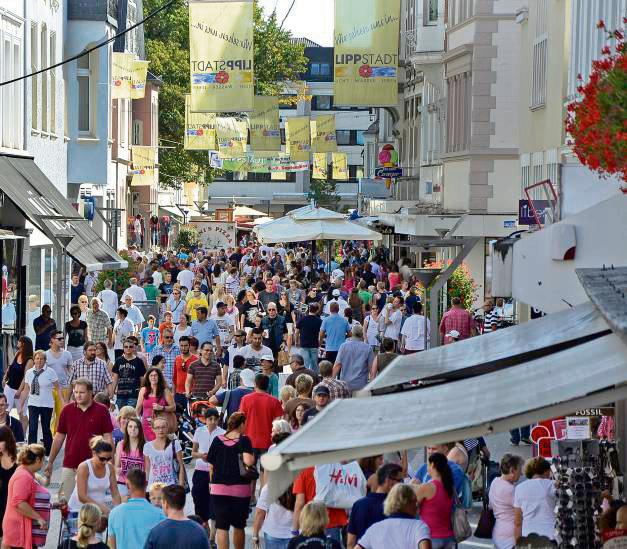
(426, 277)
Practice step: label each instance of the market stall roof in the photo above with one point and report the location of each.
(245, 211)
(46, 208)
(262, 220)
(496, 350)
(586, 375)
(313, 223)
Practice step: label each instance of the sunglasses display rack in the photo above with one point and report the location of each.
(580, 479)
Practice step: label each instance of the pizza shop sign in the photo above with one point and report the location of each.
(215, 235)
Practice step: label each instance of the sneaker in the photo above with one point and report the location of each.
(526, 441)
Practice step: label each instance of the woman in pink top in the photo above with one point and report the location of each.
(436, 502)
(394, 278)
(129, 453)
(154, 396)
(502, 501)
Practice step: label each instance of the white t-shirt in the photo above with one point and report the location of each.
(254, 356)
(157, 278)
(341, 303)
(392, 330)
(121, 330)
(161, 466)
(61, 365)
(536, 498)
(225, 323)
(204, 439)
(136, 292)
(186, 278)
(47, 379)
(278, 522)
(395, 532)
(414, 332)
(178, 333)
(109, 302)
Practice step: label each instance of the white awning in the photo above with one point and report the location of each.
(587, 375)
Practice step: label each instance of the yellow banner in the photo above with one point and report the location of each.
(221, 55)
(323, 138)
(298, 137)
(366, 52)
(320, 166)
(200, 129)
(278, 176)
(190, 190)
(232, 136)
(121, 75)
(340, 166)
(265, 126)
(143, 168)
(137, 84)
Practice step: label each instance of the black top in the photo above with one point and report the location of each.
(309, 328)
(369, 277)
(76, 292)
(5, 477)
(250, 313)
(291, 379)
(313, 542)
(71, 544)
(76, 334)
(224, 456)
(310, 414)
(15, 375)
(131, 373)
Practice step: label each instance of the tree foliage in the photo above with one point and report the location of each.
(276, 59)
(324, 192)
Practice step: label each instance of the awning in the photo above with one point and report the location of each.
(35, 196)
(496, 350)
(588, 375)
(9, 235)
(175, 212)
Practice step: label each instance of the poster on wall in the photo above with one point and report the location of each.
(215, 235)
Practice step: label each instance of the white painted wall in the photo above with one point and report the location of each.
(505, 186)
(430, 38)
(456, 189)
(461, 35)
(582, 188)
(550, 285)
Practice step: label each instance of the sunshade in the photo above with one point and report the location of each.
(262, 220)
(245, 211)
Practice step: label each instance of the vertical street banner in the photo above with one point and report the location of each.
(200, 129)
(143, 165)
(340, 166)
(320, 166)
(221, 55)
(366, 52)
(137, 83)
(232, 135)
(265, 127)
(323, 139)
(121, 75)
(298, 137)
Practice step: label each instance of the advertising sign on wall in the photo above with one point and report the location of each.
(215, 235)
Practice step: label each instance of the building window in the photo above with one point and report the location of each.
(53, 83)
(131, 19)
(459, 11)
(34, 80)
(44, 78)
(525, 173)
(321, 103)
(359, 137)
(154, 121)
(138, 132)
(431, 12)
(325, 69)
(83, 75)
(315, 69)
(123, 112)
(540, 56)
(11, 100)
(458, 113)
(343, 137)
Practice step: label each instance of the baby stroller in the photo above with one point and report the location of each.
(189, 419)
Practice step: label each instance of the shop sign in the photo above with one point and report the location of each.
(215, 235)
(578, 428)
(596, 412)
(388, 173)
(525, 213)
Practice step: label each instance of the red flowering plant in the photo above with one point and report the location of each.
(597, 119)
(460, 284)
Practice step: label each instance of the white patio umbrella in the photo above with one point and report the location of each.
(245, 211)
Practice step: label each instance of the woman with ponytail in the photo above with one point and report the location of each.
(89, 520)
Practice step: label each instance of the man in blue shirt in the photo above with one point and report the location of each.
(368, 510)
(130, 522)
(205, 329)
(333, 331)
(458, 474)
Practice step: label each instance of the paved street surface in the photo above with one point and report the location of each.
(498, 444)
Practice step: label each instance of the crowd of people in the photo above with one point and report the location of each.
(109, 393)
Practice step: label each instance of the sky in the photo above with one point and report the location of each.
(311, 19)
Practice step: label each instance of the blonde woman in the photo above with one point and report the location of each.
(218, 294)
(89, 519)
(313, 521)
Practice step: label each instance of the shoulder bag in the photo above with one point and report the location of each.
(170, 417)
(222, 418)
(177, 467)
(487, 520)
(247, 472)
(459, 522)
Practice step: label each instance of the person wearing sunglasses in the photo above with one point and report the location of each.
(94, 478)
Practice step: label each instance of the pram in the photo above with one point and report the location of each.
(189, 419)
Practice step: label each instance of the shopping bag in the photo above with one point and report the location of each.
(339, 485)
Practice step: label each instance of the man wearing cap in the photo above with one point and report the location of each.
(342, 304)
(267, 368)
(322, 397)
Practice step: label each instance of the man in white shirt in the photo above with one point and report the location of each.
(336, 299)
(121, 330)
(90, 281)
(133, 312)
(254, 351)
(60, 360)
(109, 300)
(393, 318)
(157, 276)
(186, 277)
(225, 323)
(136, 292)
(413, 332)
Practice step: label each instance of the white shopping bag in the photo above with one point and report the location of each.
(339, 485)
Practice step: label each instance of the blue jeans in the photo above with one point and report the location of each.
(336, 534)
(275, 543)
(310, 356)
(34, 413)
(443, 543)
(517, 434)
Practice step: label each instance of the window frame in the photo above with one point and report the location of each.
(85, 73)
(43, 62)
(34, 80)
(12, 95)
(428, 20)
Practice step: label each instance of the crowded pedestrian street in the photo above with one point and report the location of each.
(295, 274)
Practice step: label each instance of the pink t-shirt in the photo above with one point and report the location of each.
(436, 512)
(502, 503)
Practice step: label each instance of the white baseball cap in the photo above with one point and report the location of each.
(453, 333)
(336, 293)
(268, 357)
(247, 378)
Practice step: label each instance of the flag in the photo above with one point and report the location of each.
(265, 128)
(255, 164)
(200, 129)
(221, 55)
(320, 166)
(143, 165)
(232, 135)
(366, 52)
(340, 166)
(323, 139)
(298, 137)
(121, 75)
(137, 84)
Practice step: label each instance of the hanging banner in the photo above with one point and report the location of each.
(255, 164)
(137, 84)
(265, 126)
(143, 166)
(340, 166)
(278, 176)
(320, 166)
(366, 52)
(323, 139)
(200, 129)
(232, 136)
(121, 75)
(221, 55)
(298, 138)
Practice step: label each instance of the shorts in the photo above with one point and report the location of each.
(230, 511)
(201, 496)
(258, 452)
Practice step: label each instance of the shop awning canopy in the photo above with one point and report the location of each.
(590, 374)
(9, 235)
(496, 350)
(46, 208)
(246, 211)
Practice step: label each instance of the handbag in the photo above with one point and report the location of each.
(177, 468)
(339, 485)
(248, 472)
(283, 357)
(459, 522)
(170, 417)
(486, 523)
